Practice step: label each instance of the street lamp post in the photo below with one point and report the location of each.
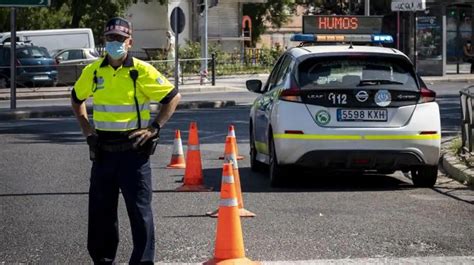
(13, 59)
(204, 37)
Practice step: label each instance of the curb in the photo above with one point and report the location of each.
(457, 170)
(454, 167)
(65, 111)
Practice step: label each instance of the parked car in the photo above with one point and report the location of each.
(72, 61)
(54, 39)
(35, 66)
(345, 107)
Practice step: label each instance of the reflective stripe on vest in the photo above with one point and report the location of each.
(109, 125)
(121, 108)
(229, 202)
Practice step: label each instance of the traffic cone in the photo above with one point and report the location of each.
(229, 247)
(230, 158)
(193, 179)
(177, 158)
(231, 133)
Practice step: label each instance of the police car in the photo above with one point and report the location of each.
(345, 107)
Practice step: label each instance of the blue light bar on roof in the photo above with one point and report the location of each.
(358, 38)
(303, 38)
(382, 39)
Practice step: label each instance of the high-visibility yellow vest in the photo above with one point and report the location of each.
(113, 93)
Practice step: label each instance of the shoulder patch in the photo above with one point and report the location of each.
(160, 80)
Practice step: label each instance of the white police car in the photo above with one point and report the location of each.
(345, 107)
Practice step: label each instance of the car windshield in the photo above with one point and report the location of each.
(32, 52)
(349, 72)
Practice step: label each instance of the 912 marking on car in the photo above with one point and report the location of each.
(336, 98)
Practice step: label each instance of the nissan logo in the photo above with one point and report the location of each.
(362, 96)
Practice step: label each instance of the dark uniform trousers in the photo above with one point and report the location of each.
(129, 172)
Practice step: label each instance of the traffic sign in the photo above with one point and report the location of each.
(25, 3)
(177, 11)
(408, 5)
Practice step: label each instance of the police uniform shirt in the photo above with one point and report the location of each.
(114, 94)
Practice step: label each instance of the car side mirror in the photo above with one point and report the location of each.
(59, 59)
(254, 85)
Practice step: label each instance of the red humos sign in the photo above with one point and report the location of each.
(342, 24)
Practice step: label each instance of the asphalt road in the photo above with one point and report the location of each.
(44, 185)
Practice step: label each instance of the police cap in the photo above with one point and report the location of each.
(118, 25)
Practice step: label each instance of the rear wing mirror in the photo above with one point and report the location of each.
(254, 85)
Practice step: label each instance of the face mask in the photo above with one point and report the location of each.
(115, 49)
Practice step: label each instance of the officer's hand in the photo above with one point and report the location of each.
(143, 135)
(92, 140)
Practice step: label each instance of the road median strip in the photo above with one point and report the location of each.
(65, 92)
(66, 111)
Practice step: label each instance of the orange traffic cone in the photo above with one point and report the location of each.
(177, 158)
(229, 248)
(231, 133)
(193, 179)
(230, 158)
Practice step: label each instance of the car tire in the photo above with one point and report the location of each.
(255, 165)
(275, 172)
(424, 176)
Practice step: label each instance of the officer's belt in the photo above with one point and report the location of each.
(116, 147)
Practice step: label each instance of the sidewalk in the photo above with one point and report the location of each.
(65, 91)
(42, 110)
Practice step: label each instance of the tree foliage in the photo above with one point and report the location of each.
(67, 14)
(274, 12)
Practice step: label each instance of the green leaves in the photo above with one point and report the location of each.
(67, 14)
(273, 12)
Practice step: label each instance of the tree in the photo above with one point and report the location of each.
(272, 13)
(67, 14)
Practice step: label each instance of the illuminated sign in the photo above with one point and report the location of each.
(408, 5)
(342, 24)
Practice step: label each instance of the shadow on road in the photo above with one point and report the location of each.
(309, 181)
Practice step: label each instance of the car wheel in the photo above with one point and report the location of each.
(424, 176)
(255, 165)
(276, 172)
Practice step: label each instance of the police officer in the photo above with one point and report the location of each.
(121, 141)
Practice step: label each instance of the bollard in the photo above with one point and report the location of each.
(213, 68)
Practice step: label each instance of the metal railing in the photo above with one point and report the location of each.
(189, 69)
(467, 120)
(66, 74)
(253, 61)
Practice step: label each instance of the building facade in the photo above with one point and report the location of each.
(441, 32)
(150, 22)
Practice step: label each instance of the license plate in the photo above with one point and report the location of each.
(40, 77)
(361, 115)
